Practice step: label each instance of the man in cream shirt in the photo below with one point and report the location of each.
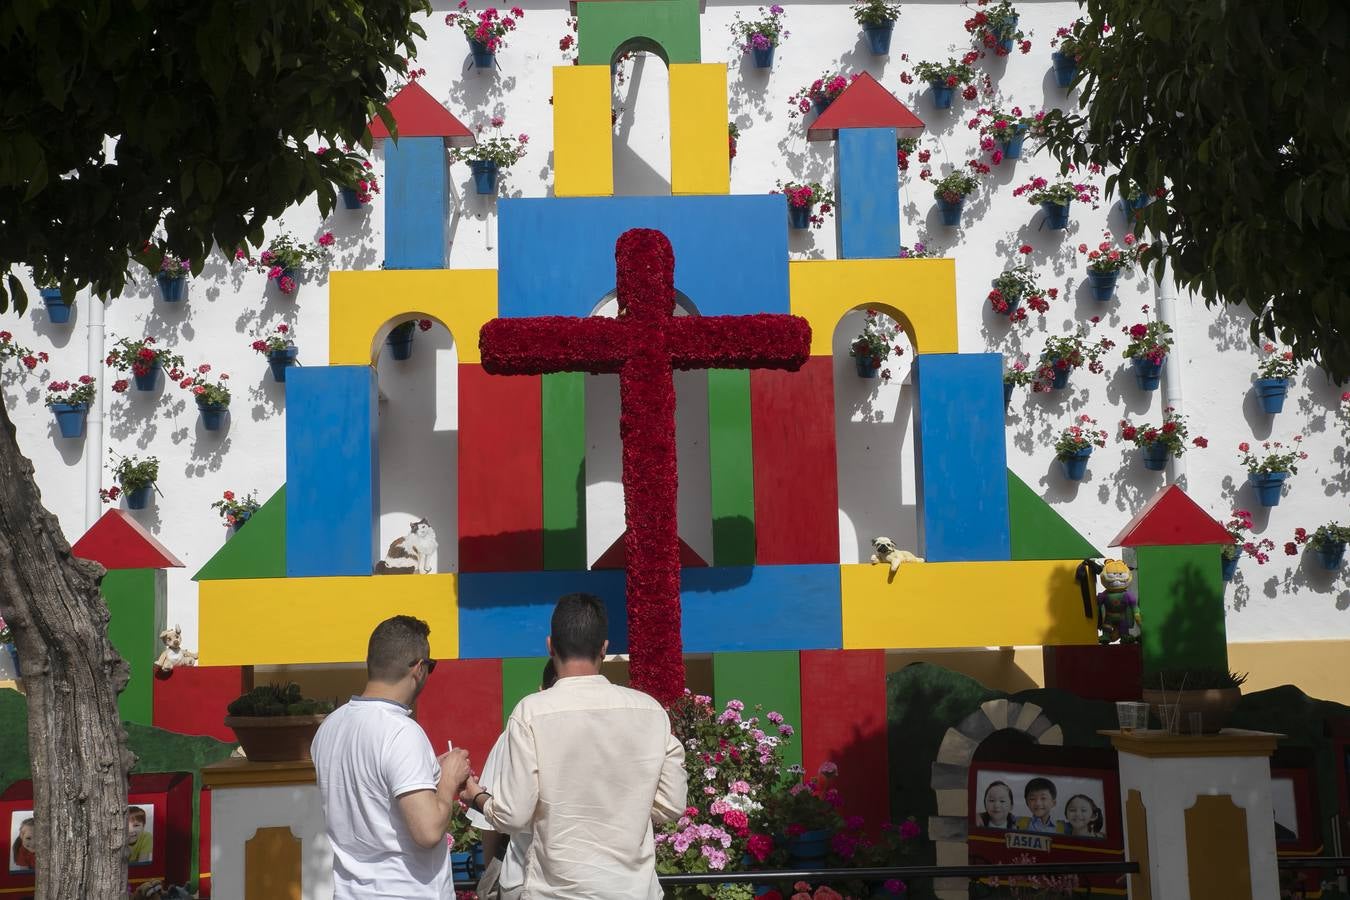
(588, 767)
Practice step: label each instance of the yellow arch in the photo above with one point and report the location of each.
(920, 293)
(364, 304)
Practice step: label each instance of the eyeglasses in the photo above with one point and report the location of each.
(431, 664)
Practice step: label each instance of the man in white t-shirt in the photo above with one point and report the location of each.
(387, 797)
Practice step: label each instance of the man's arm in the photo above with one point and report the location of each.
(427, 812)
(672, 791)
(511, 808)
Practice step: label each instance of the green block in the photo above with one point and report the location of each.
(771, 679)
(521, 677)
(731, 465)
(668, 28)
(1038, 532)
(136, 601)
(564, 472)
(1180, 591)
(258, 550)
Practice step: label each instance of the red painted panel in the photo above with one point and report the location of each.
(463, 702)
(193, 700)
(418, 114)
(863, 104)
(501, 464)
(844, 722)
(796, 494)
(1096, 672)
(1171, 519)
(118, 541)
(616, 557)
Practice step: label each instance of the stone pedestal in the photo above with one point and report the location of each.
(1199, 818)
(268, 839)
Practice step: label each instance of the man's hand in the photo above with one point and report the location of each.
(471, 789)
(454, 771)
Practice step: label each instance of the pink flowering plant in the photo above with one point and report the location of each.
(12, 349)
(1067, 38)
(131, 474)
(355, 172)
(1083, 434)
(6, 636)
(992, 24)
(1072, 351)
(919, 250)
(1148, 340)
(1060, 193)
(1239, 528)
(880, 338)
(171, 266)
(795, 807)
(488, 27)
(276, 340)
(1172, 433)
(1018, 374)
(809, 194)
(139, 358)
(762, 32)
(73, 393)
(952, 187)
(199, 383)
(823, 90)
(1278, 457)
(875, 12)
(461, 835)
(1108, 258)
(1016, 285)
(1000, 125)
(504, 150)
(284, 258)
(1276, 363)
(952, 74)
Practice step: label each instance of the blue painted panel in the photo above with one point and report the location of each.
(761, 608)
(557, 254)
(507, 614)
(962, 484)
(416, 203)
(332, 471)
(868, 220)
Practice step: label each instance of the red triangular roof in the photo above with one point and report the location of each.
(419, 114)
(118, 541)
(616, 557)
(1171, 519)
(863, 104)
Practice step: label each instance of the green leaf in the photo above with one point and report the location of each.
(208, 180)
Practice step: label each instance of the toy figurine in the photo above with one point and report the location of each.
(174, 655)
(1118, 617)
(887, 552)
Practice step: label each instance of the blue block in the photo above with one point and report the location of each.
(868, 220)
(416, 201)
(332, 471)
(962, 483)
(761, 608)
(557, 254)
(506, 614)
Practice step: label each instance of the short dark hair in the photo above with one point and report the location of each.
(136, 814)
(550, 676)
(1040, 784)
(395, 645)
(579, 627)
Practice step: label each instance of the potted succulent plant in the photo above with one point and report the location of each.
(1054, 198)
(1273, 374)
(1106, 262)
(950, 192)
(1267, 474)
(1162, 442)
(485, 31)
(877, 18)
(1147, 349)
(144, 361)
(944, 78)
(274, 723)
(70, 402)
(759, 36)
(875, 344)
(278, 345)
(1239, 528)
(1074, 446)
(803, 198)
(1213, 693)
(135, 479)
(213, 398)
(235, 512)
(489, 156)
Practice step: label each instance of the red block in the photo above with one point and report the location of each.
(1111, 672)
(1171, 519)
(863, 104)
(796, 492)
(463, 702)
(118, 541)
(193, 700)
(418, 114)
(501, 464)
(844, 722)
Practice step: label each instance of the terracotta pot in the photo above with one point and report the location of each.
(274, 738)
(1214, 706)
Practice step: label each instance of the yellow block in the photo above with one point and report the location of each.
(583, 133)
(699, 162)
(277, 621)
(363, 307)
(920, 294)
(966, 604)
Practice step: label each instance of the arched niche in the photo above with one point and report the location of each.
(641, 102)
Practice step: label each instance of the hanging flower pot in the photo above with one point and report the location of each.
(171, 287)
(809, 846)
(1331, 555)
(1060, 380)
(1066, 68)
(1007, 393)
(58, 307)
(879, 37)
(483, 58)
(240, 519)
(1267, 486)
(1272, 392)
(350, 199)
(1008, 35)
(1056, 215)
(1147, 373)
(484, 175)
(213, 414)
(70, 418)
(820, 103)
(1131, 205)
(1155, 456)
(868, 366)
(1012, 148)
(1103, 284)
(799, 217)
(942, 95)
(762, 57)
(145, 381)
(951, 211)
(1075, 464)
(461, 865)
(140, 498)
(281, 360)
(1230, 563)
(400, 341)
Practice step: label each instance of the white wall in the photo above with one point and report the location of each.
(226, 307)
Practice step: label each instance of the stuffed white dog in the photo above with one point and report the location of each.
(887, 552)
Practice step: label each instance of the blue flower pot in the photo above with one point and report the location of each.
(1066, 68)
(1056, 215)
(1331, 555)
(281, 360)
(763, 59)
(1012, 148)
(213, 415)
(809, 845)
(799, 217)
(484, 175)
(140, 498)
(1007, 42)
(1013, 302)
(13, 652)
(240, 521)
(147, 381)
(1130, 205)
(1007, 393)
(1272, 392)
(350, 199)
(951, 212)
(1155, 456)
(1075, 466)
(70, 418)
(879, 37)
(400, 341)
(1103, 285)
(1229, 567)
(1267, 486)
(820, 103)
(58, 308)
(1061, 377)
(942, 95)
(868, 366)
(477, 860)
(460, 865)
(483, 58)
(1147, 374)
(171, 289)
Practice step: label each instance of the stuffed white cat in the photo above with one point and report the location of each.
(410, 554)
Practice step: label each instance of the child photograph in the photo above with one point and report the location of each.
(23, 849)
(140, 837)
(1021, 801)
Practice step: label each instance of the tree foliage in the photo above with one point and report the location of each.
(117, 117)
(1239, 111)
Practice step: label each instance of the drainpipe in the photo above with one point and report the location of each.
(1165, 298)
(93, 442)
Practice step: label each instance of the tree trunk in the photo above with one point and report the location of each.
(72, 676)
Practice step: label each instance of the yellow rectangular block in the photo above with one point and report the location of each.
(966, 604)
(583, 141)
(920, 294)
(279, 621)
(362, 306)
(699, 161)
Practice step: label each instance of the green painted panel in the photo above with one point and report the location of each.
(521, 677)
(667, 27)
(136, 601)
(1180, 591)
(258, 550)
(564, 475)
(771, 679)
(732, 467)
(1038, 532)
